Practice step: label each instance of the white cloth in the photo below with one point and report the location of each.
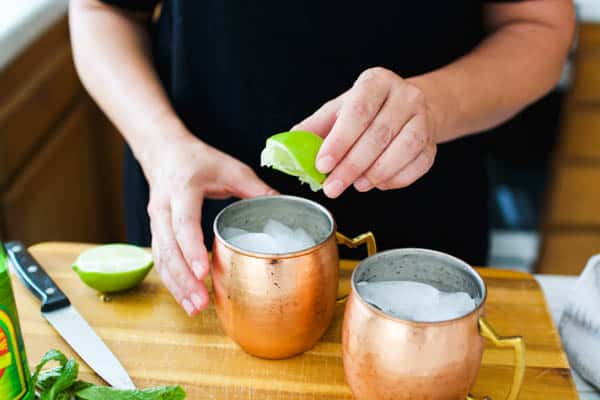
(580, 324)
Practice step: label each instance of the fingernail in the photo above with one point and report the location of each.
(362, 184)
(198, 269)
(187, 306)
(272, 192)
(325, 164)
(197, 300)
(334, 188)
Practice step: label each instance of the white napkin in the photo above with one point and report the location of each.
(580, 324)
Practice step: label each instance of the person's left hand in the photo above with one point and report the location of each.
(378, 134)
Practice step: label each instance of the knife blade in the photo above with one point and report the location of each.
(62, 315)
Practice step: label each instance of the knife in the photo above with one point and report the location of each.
(62, 315)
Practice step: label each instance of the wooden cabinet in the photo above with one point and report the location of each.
(586, 86)
(571, 231)
(581, 134)
(575, 197)
(567, 251)
(56, 195)
(59, 157)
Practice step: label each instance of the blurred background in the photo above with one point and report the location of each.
(60, 158)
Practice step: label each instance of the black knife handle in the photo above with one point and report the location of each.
(35, 278)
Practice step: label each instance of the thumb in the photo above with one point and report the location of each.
(244, 183)
(322, 120)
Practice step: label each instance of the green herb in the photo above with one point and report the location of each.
(60, 383)
(47, 378)
(103, 392)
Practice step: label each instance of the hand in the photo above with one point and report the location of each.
(378, 134)
(181, 174)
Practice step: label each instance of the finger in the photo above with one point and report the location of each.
(242, 182)
(412, 172)
(322, 120)
(370, 146)
(178, 278)
(359, 106)
(186, 213)
(403, 150)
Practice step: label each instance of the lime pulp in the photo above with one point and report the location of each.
(294, 153)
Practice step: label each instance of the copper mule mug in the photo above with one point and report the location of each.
(278, 305)
(389, 358)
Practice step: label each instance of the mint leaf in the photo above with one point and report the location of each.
(47, 378)
(51, 355)
(79, 385)
(60, 383)
(157, 393)
(65, 380)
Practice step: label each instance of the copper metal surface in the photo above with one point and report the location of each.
(277, 306)
(389, 358)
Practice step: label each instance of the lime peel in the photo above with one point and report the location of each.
(294, 153)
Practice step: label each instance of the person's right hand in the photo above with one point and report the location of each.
(181, 174)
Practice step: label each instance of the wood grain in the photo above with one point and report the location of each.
(589, 38)
(586, 85)
(109, 154)
(159, 344)
(42, 183)
(566, 251)
(571, 222)
(57, 194)
(575, 196)
(580, 139)
(37, 91)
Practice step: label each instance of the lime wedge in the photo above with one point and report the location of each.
(113, 267)
(294, 153)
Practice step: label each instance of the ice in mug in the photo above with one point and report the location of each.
(415, 301)
(275, 238)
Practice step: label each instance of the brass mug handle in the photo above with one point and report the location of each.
(518, 346)
(366, 238)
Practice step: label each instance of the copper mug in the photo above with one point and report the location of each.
(278, 305)
(389, 358)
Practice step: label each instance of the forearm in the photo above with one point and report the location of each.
(517, 63)
(113, 58)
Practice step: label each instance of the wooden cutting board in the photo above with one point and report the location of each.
(158, 344)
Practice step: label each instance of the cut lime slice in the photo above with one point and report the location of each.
(113, 267)
(294, 153)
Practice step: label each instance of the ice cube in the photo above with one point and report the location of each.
(400, 298)
(229, 233)
(283, 236)
(416, 301)
(277, 229)
(304, 239)
(275, 238)
(256, 241)
(288, 240)
(450, 306)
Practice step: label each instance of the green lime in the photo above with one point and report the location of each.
(113, 267)
(294, 153)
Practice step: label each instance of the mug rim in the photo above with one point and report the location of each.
(405, 250)
(299, 253)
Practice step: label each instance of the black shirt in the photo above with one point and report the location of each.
(237, 72)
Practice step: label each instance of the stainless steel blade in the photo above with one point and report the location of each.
(82, 338)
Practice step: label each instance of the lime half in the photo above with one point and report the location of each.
(294, 153)
(113, 267)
